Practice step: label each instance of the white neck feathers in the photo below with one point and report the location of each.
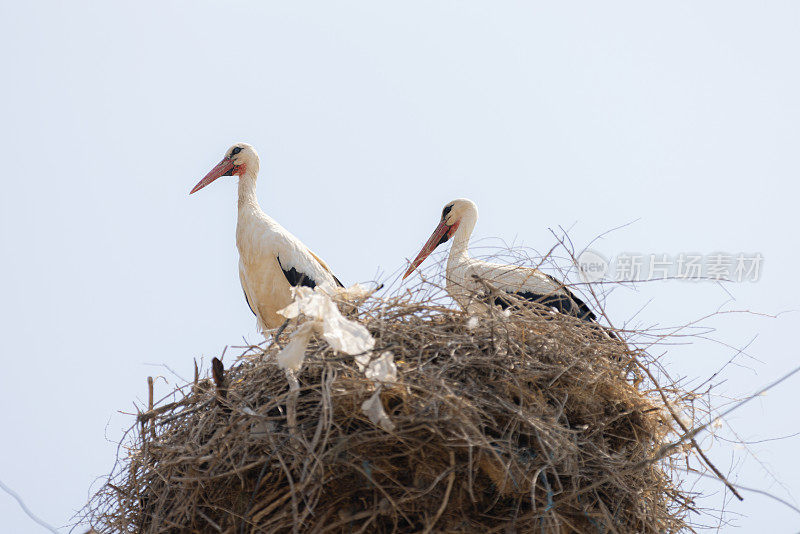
(247, 189)
(459, 249)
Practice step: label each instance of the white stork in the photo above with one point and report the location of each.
(271, 260)
(468, 279)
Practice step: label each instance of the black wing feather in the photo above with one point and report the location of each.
(566, 304)
(561, 299)
(247, 300)
(583, 311)
(296, 278)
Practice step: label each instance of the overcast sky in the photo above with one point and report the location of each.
(682, 119)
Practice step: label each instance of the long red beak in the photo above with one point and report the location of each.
(223, 168)
(436, 239)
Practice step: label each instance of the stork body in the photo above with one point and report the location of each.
(271, 259)
(476, 283)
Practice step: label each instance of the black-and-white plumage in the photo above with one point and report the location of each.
(474, 283)
(271, 259)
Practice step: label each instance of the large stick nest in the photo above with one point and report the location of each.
(532, 421)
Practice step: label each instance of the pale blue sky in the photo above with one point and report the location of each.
(368, 118)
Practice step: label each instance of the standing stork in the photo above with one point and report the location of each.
(468, 278)
(271, 259)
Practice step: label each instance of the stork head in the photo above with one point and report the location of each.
(239, 158)
(456, 212)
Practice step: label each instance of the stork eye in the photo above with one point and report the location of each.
(236, 151)
(446, 210)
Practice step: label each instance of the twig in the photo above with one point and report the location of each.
(208, 519)
(155, 412)
(690, 434)
(446, 498)
(150, 406)
(687, 435)
(755, 490)
(25, 508)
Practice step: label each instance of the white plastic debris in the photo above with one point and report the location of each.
(362, 360)
(312, 303)
(343, 335)
(373, 408)
(346, 336)
(293, 355)
(382, 369)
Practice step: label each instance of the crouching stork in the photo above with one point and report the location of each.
(474, 282)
